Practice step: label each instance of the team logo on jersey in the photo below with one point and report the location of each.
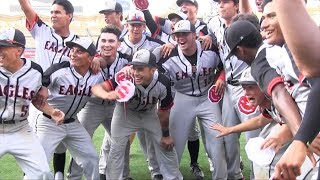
(213, 96)
(244, 107)
(121, 76)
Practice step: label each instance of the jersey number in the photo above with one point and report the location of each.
(24, 110)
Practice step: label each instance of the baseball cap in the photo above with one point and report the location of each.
(12, 37)
(143, 57)
(235, 1)
(238, 32)
(184, 26)
(194, 2)
(136, 16)
(85, 43)
(180, 15)
(111, 6)
(246, 77)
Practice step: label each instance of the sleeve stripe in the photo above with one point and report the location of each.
(273, 83)
(109, 83)
(166, 108)
(30, 25)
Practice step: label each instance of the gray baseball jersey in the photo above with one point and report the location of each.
(98, 111)
(192, 82)
(140, 114)
(69, 92)
(127, 47)
(16, 92)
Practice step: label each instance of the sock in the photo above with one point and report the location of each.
(59, 161)
(193, 148)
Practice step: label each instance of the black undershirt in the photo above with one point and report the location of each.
(192, 59)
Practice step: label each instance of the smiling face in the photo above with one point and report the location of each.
(228, 9)
(9, 56)
(59, 17)
(143, 75)
(79, 57)
(186, 41)
(109, 44)
(254, 95)
(271, 27)
(189, 9)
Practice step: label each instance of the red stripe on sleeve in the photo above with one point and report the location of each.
(273, 83)
(166, 108)
(30, 25)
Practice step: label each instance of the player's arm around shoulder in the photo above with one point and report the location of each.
(26, 7)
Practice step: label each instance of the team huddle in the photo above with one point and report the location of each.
(164, 80)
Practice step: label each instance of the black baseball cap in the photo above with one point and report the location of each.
(12, 37)
(111, 6)
(144, 57)
(85, 43)
(194, 2)
(238, 32)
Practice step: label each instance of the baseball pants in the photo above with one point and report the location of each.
(75, 138)
(23, 144)
(122, 127)
(182, 118)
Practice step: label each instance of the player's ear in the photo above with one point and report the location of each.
(70, 17)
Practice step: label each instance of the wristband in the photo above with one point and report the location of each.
(165, 133)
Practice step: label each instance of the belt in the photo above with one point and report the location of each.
(66, 121)
(233, 82)
(11, 121)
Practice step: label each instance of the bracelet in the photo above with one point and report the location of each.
(165, 133)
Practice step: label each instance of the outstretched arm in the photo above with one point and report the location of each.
(244, 6)
(251, 124)
(104, 90)
(28, 10)
(304, 46)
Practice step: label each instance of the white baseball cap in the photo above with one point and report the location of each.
(85, 43)
(184, 26)
(246, 77)
(136, 16)
(143, 57)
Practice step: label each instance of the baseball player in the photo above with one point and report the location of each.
(192, 71)
(98, 111)
(164, 51)
(151, 87)
(276, 134)
(20, 80)
(134, 41)
(262, 70)
(69, 84)
(304, 47)
(233, 68)
(51, 49)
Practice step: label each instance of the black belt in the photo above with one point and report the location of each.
(66, 121)
(233, 82)
(11, 121)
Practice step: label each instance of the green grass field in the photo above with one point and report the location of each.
(9, 169)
